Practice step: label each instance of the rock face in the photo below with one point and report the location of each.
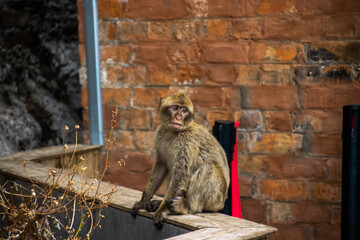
(39, 78)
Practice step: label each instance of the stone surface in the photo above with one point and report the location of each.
(39, 74)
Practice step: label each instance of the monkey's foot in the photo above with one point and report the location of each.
(137, 206)
(153, 205)
(158, 219)
(178, 205)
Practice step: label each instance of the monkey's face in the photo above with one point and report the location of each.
(178, 116)
(176, 112)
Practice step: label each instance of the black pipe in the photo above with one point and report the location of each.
(350, 202)
(225, 133)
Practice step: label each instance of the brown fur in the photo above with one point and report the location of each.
(193, 158)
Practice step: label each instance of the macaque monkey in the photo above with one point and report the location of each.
(194, 160)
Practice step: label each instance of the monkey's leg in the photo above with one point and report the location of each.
(179, 204)
(157, 175)
(207, 189)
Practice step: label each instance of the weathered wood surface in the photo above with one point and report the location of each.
(205, 225)
(51, 156)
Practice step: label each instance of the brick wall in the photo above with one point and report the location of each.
(284, 68)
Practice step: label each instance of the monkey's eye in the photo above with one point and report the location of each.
(184, 109)
(175, 107)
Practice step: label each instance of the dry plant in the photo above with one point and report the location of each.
(43, 210)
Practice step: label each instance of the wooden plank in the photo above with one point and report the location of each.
(207, 225)
(47, 153)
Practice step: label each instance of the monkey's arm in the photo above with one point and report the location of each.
(158, 173)
(179, 179)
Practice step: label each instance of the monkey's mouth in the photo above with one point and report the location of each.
(176, 125)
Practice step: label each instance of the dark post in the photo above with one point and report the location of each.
(350, 202)
(225, 133)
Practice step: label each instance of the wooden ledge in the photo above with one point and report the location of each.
(47, 153)
(204, 225)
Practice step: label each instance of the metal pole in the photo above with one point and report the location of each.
(350, 201)
(225, 133)
(93, 72)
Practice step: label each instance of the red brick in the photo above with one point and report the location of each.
(227, 52)
(107, 113)
(134, 75)
(157, 9)
(132, 31)
(334, 166)
(294, 28)
(221, 74)
(253, 210)
(336, 215)
(145, 140)
(116, 96)
(155, 119)
(148, 97)
(245, 186)
(178, 54)
(110, 96)
(108, 53)
(248, 28)
(278, 121)
(218, 29)
(270, 97)
(339, 51)
(124, 53)
(272, 142)
(252, 164)
(310, 212)
(305, 74)
(281, 212)
(232, 97)
(161, 74)
(81, 20)
(110, 9)
(209, 97)
(341, 27)
(337, 74)
(323, 144)
(313, 7)
(248, 75)
(189, 30)
(135, 119)
(133, 174)
(112, 74)
(318, 121)
(328, 232)
(124, 140)
(275, 52)
(293, 232)
(250, 119)
(82, 53)
(299, 167)
(160, 31)
(151, 53)
(189, 74)
(111, 31)
(276, 74)
(238, 8)
(270, 7)
(284, 190)
(326, 192)
(213, 115)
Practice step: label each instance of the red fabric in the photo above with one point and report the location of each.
(235, 193)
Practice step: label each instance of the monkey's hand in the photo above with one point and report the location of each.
(153, 205)
(137, 206)
(158, 219)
